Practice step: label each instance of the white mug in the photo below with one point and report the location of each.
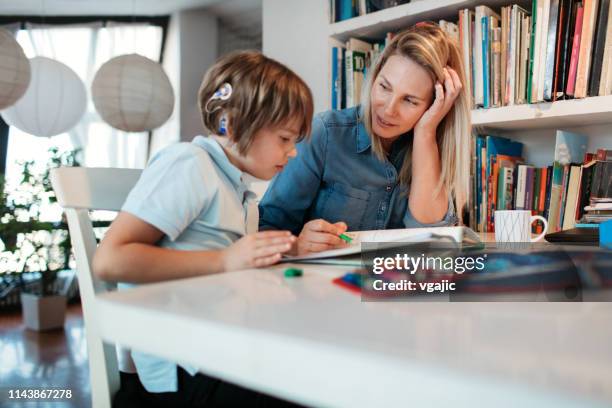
(515, 226)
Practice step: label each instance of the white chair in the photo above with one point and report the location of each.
(78, 190)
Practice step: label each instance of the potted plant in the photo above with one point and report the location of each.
(35, 250)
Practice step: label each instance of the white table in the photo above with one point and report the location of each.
(310, 341)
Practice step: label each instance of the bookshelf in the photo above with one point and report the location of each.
(570, 113)
(376, 25)
(592, 112)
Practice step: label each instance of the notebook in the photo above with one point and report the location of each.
(399, 236)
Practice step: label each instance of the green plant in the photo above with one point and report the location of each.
(31, 244)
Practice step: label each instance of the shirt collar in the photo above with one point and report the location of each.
(213, 146)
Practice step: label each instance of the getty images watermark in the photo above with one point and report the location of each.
(410, 265)
(482, 272)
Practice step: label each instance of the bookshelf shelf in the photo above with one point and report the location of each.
(377, 24)
(576, 112)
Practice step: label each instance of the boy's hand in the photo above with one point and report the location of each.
(257, 250)
(320, 235)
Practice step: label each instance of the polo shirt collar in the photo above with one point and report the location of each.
(217, 154)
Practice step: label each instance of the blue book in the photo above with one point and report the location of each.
(485, 61)
(346, 10)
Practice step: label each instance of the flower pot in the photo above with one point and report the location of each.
(43, 312)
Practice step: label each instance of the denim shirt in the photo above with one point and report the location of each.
(336, 177)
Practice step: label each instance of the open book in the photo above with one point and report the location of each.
(399, 236)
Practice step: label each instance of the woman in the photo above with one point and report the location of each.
(400, 160)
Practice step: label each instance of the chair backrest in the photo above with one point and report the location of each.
(78, 190)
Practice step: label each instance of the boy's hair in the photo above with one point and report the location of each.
(265, 93)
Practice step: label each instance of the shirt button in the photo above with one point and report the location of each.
(388, 188)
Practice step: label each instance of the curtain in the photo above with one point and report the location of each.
(84, 48)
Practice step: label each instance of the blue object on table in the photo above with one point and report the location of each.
(605, 234)
(586, 225)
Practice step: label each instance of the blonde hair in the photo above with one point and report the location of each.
(430, 47)
(265, 93)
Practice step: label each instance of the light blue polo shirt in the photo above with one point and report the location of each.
(199, 200)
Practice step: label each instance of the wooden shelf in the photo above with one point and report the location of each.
(576, 112)
(376, 25)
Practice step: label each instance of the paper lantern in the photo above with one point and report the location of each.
(14, 70)
(132, 93)
(54, 102)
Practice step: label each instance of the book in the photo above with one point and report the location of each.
(603, 155)
(345, 8)
(391, 237)
(509, 85)
(605, 86)
(480, 12)
(486, 86)
(505, 189)
(573, 190)
(521, 187)
(569, 148)
(567, 16)
(530, 72)
(585, 187)
(599, 43)
(466, 20)
(601, 187)
(524, 57)
(586, 45)
(542, 52)
(496, 62)
(571, 75)
(551, 46)
(496, 146)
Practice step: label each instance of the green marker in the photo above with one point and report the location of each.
(345, 238)
(293, 272)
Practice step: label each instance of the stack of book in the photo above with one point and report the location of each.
(598, 194)
(575, 189)
(561, 49)
(350, 62)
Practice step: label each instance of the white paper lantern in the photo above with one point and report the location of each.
(54, 102)
(132, 93)
(14, 70)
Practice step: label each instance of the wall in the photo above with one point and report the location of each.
(198, 42)
(295, 33)
(170, 131)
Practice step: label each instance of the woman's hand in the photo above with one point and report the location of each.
(320, 235)
(444, 100)
(257, 250)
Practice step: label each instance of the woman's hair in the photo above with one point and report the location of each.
(431, 48)
(265, 93)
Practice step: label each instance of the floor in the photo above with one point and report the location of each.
(54, 359)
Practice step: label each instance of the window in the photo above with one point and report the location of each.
(84, 48)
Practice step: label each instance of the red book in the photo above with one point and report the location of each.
(542, 196)
(571, 79)
(604, 154)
